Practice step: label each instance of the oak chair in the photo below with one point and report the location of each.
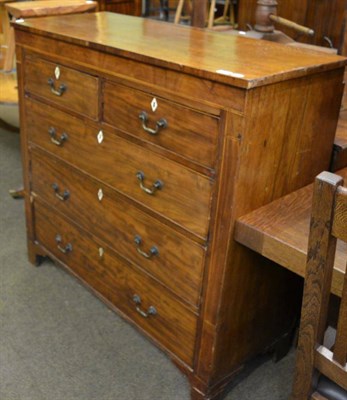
(320, 372)
(227, 17)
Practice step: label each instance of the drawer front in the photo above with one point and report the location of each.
(179, 194)
(186, 132)
(169, 256)
(139, 297)
(63, 86)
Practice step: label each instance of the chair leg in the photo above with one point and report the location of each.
(211, 14)
(179, 11)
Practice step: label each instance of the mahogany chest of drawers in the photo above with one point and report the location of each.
(142, 143)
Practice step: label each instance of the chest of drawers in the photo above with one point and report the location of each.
(142, 142)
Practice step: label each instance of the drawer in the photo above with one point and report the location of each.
(169, 256)
(63, 86)
(191, 134)
(139, 297)
(179, 194)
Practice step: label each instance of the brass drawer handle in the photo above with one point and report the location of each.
(64, 196)
(156, 185)
(160, 124)
(152, 252)
(65, 249)
(151, 310)
(58, 92)
(59, 142)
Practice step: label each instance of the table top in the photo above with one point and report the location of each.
(229, 59)
(28, 9)
(280, 230)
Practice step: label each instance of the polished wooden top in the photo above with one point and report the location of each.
(279, 231)
(28, 9)
(230, 59)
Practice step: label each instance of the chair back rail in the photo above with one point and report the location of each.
(328, 223)
(339, 230)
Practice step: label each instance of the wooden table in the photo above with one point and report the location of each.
(279, 231)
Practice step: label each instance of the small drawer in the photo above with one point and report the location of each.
(190, 133)
(169, 256)
(136, 295)
(166, 187)
(66, 87)
(50, 128)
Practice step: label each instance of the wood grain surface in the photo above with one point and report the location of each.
(80, 89)
(279, 231)
(173, 326)
(179, 262)
(188, 132)
(191, 191)
(231, 60)
(52, 7)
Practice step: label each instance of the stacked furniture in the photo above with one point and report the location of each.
(142, 143)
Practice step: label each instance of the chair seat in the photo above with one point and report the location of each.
(330, 390)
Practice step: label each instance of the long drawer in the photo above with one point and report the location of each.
(182, 130)
(139, 297)
(66, 87)
(169, 256)
(174, 191)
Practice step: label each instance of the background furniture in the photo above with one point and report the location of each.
(5, 30)
(142, 143)
(132, 7)
(326, 17)
(328, 223)
(29, 9)
(280, 231)
(187, 8)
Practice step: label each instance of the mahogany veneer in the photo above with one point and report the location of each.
(142, 143)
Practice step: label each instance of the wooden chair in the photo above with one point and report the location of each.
(186, 7)
(321, 373)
